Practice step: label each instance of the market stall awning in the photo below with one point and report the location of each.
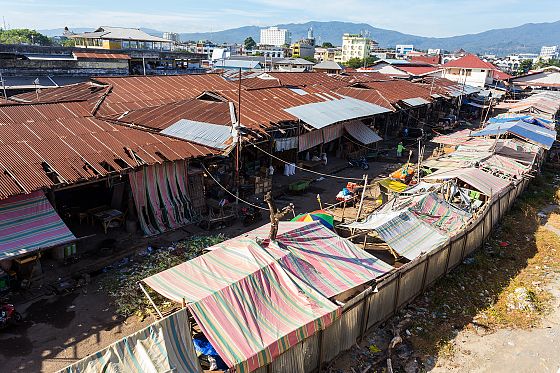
(504, 166)
(337, 263)
(322, 114)
(254, 320)
(438, 213)
(403, 232)
(164, 346)
(362, 133)
(28, 222)
(483, 181)
(534, 134)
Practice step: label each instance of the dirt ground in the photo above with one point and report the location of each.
(61, 329)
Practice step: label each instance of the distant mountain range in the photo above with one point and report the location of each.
(527, 38)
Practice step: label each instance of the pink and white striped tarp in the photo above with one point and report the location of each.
(28, 222)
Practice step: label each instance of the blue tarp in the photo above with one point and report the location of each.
(529, 132)
(525, 118)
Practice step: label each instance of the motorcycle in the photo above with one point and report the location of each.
(361, 163)
(9, 315)
(251, 214)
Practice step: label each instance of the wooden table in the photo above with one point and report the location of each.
(106, 217)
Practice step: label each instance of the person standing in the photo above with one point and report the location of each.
(400, 149)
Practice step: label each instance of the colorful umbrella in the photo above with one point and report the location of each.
(319, 215)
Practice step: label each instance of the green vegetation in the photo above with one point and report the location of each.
(249, 43)
(310, 59)
(356, 63)
(524, 67)
(23, 36)
(551, 62)
(68, 43)
(327, 45)
(122, 283)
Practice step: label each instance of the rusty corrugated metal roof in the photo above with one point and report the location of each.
(137, 92)
(104, 56)
(397, 90)
(86, 91)
(62, 140)
(160, 117)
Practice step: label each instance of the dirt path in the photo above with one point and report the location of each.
(511, 350)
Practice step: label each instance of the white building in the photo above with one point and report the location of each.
(173, 36)
(469, 70)
(548, 53)
(513, 61)
(404, 48)
(356, 46)
(434, 52)
(275, 36)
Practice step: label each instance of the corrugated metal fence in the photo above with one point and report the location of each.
(394, 291)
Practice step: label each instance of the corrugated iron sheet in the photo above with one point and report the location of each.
(362, 133)
(322, 114)
(415, 101)
(208, 134)
(529, 132)
(482, 181)
(62, 138)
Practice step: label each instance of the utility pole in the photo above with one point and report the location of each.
(3, 86)
(238, 147)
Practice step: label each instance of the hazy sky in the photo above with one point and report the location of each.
(420, 17)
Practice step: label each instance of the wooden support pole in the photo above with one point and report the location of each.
(362, 199)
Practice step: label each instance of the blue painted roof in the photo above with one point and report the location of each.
(529, 132)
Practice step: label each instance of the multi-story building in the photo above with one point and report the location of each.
(324, 54)
(512, 62)
(469, 70)
(270, 51)
(356, 46)
(275, 36)
(404, 48)
(172, 36)
(301, 49)
(106, 37)
(548, 53)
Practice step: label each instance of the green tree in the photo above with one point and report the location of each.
(356, 63)
(23, 36)
(310, 59)
(524, 66)
(249, 43)
(327, 45)
(68, 42)
(545, 63)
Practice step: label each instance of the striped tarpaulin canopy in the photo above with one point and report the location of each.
(254, 320)
(500, 165)
(227, 263)
(28, 222)
(164, 346)
(403, 232)
(439, 213)
(339, 264)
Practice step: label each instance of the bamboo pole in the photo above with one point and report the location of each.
(150, 299)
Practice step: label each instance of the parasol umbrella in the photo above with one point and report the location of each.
(321, 216)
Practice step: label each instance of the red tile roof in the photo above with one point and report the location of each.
(470, 61)
(102, 56)
(417, 70)
(432, 60)
(500, 75)
(75, 145)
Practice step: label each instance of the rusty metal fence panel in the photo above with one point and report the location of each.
(436, 264)
(412, 275)
(456, 253)
(382, 303)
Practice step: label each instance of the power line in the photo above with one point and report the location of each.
(305, 169)
(230, 193)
